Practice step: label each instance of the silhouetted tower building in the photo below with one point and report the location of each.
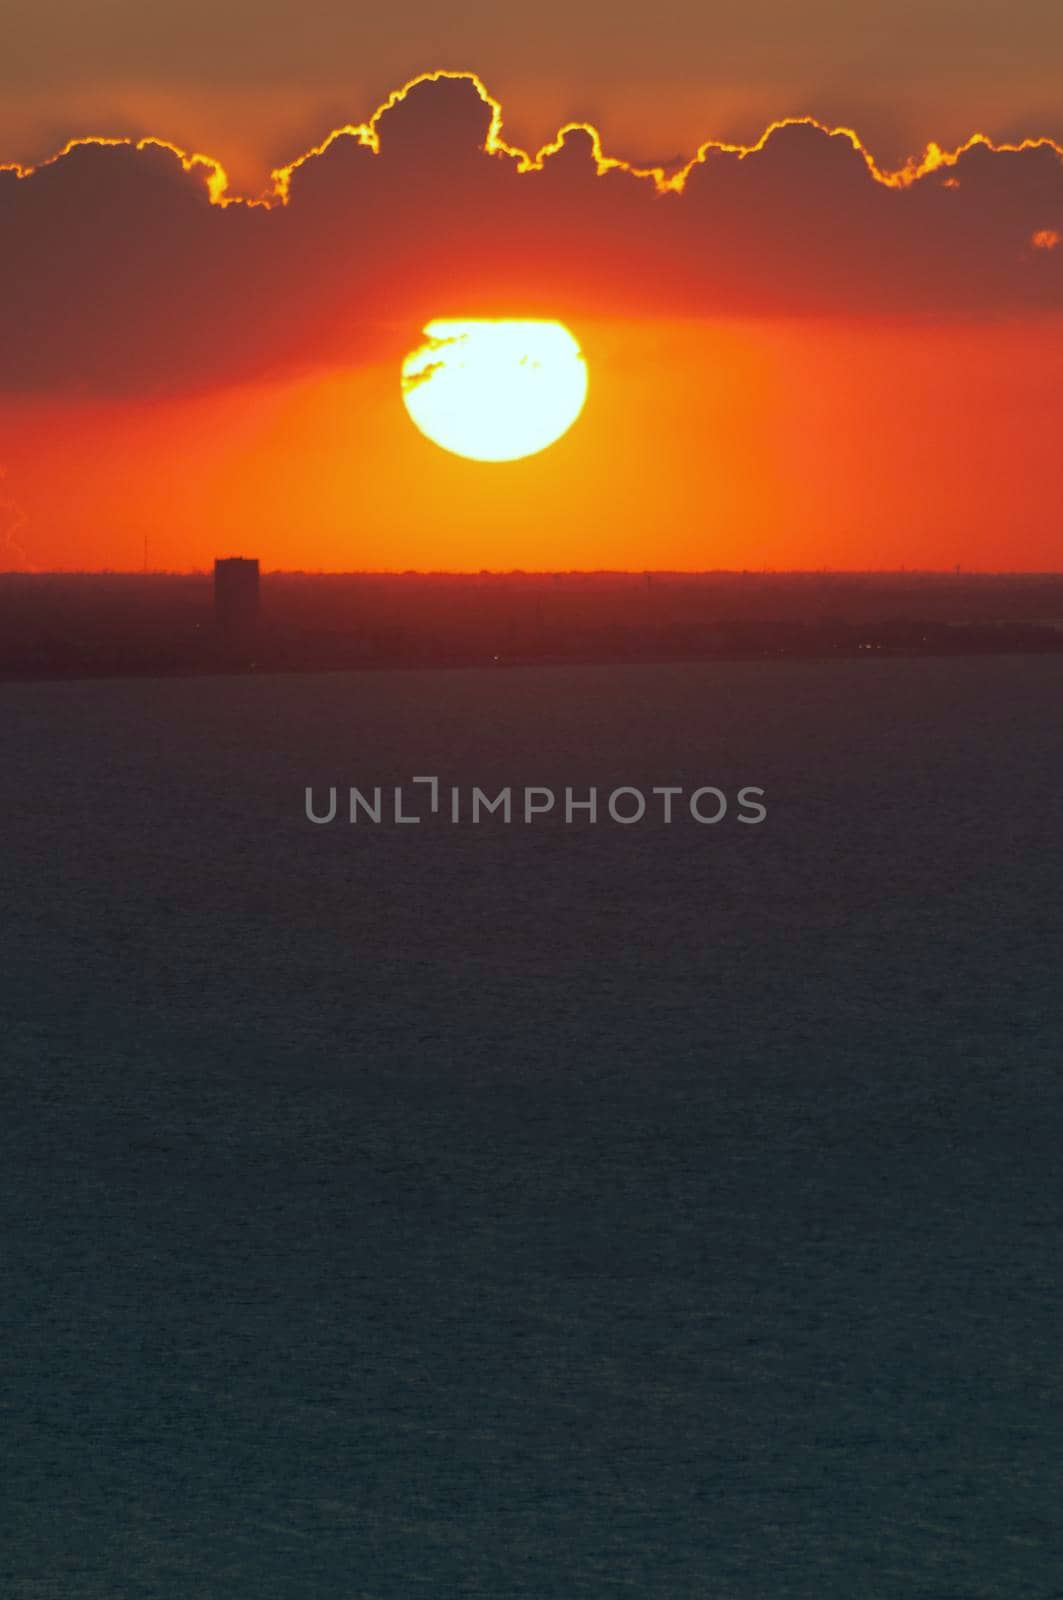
(236, 604)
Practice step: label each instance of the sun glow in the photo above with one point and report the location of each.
(494, 390)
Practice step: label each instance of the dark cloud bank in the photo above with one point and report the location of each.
(118, 276)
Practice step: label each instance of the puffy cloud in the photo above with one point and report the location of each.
(131, 268)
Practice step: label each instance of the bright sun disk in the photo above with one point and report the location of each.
(494, 390)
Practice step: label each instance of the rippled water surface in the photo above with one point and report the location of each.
(538, 1210)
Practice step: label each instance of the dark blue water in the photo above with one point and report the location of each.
(538, 1210)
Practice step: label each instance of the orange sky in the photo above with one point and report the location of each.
(791, 364)
(738, 445)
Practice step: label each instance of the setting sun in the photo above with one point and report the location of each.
(494, 390)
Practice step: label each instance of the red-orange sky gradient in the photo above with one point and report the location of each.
(798, 357)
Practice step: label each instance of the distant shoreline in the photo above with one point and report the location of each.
(269, 669)
(119, 625)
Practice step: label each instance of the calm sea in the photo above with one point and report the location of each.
(542, 1210)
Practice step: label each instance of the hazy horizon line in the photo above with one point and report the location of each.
(961, 571)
